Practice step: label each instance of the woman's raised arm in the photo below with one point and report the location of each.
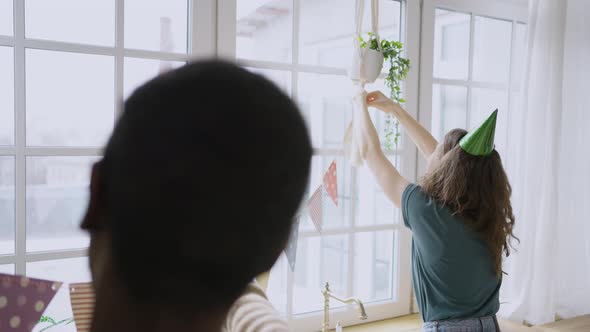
(419, 135)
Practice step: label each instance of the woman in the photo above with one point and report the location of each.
(460, 217)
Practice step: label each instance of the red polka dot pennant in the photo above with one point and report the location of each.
(331, 182)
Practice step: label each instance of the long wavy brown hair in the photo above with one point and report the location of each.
(476, 189)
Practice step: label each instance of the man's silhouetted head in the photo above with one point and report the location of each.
(198, 186)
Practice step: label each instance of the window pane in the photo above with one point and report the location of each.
(327, 29)
(333, 216)
(320, 260)
(389, 19)
(491, 53)
(373, 207)
(70, 98)
(63, 270)
(6, 17)
(264, 30)
(70, 270)
(451, 45)
(85, 22)
(157, 25)
(519, 55)
(449, 109)
(279, 77)
(139, 71)
(57, 196)
(326, 103)
(483, 102)
(374, 265)
(7, 269)
(7, 205)
(6, 95)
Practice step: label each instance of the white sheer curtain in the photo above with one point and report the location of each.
(573, 285)
(549, 167)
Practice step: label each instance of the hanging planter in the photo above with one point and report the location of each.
(367, 65)
(391, 51)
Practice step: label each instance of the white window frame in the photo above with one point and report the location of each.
(499, 9)
(201, 43)
(226, 42)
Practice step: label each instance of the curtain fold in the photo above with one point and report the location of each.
(573, 286)
(548, 164)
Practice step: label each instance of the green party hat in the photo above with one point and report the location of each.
(480, 142)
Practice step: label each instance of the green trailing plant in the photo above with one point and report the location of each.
(52, 323)
(398, 71)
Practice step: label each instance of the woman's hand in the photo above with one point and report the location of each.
(380, 101)
(421, 137)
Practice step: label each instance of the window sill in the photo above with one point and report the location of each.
(400, 324)
(413, 323)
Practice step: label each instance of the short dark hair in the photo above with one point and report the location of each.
(201, 179)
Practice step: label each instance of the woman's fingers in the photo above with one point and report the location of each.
(377, 99)
(373, 96)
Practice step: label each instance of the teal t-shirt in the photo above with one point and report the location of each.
(453, 272)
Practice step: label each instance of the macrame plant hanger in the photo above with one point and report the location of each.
(366, 67)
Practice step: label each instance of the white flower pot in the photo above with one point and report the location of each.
(366, 66)
(371, 65)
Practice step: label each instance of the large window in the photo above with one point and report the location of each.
(476, 54)
(65, 66)
(305, 46)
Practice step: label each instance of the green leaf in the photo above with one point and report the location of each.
(54, 324)
(46, 319)
(398, 71)
(374, 44)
